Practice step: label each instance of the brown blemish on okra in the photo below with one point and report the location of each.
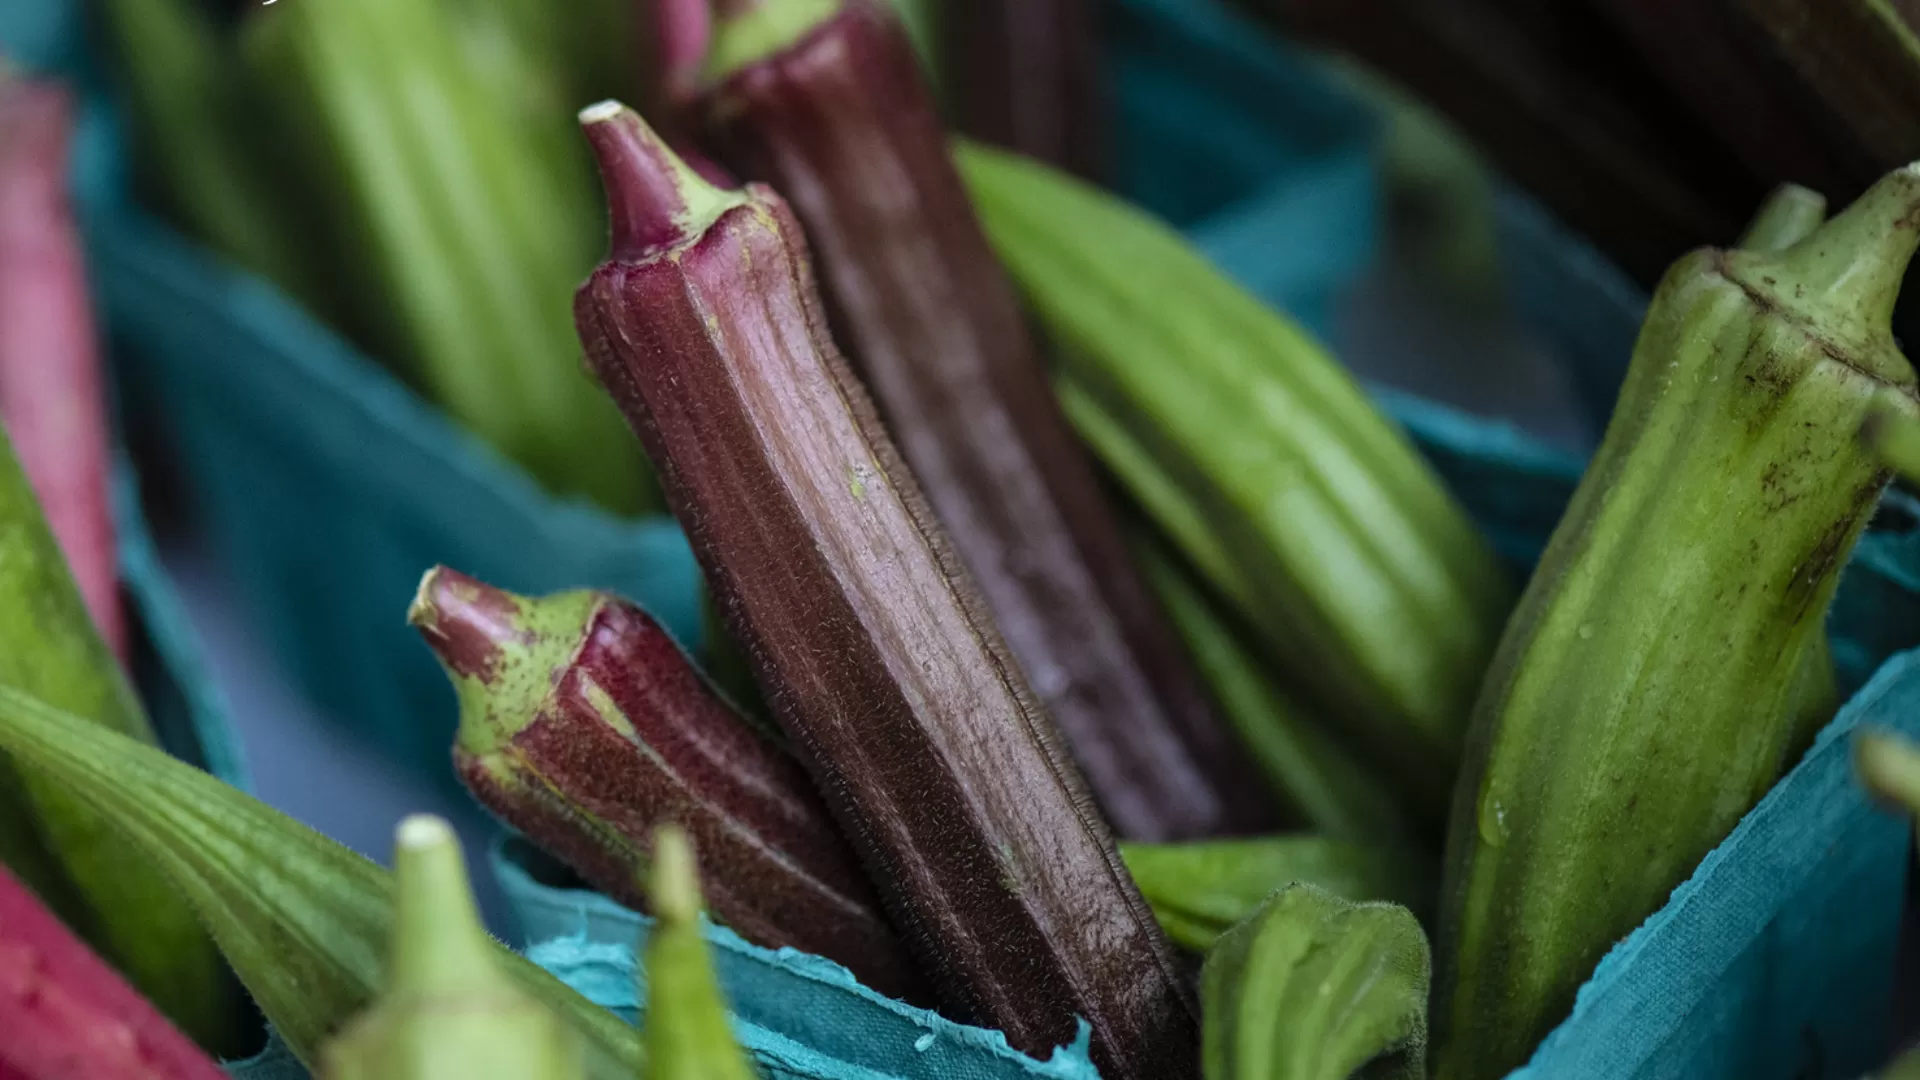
(878, 661)
(589, 728)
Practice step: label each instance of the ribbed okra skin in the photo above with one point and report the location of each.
(584, 726)
(1265, 463)
(877, 660)
(840, 122)
(1651, 682)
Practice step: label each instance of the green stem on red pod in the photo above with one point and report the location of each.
(1200, 891)
(52, 391)
(1315, 776)
(1024, 75)
(457, 217)
(304, 921)
(1662, 641)
(66, 1015)
(446, 1010)
(1314, 987)
(879, 662)
(584, 726)
(50, 649)
(824, 100)
(1305, 508)
(687, 1033)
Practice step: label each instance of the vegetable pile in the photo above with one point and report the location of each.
(1105, 659)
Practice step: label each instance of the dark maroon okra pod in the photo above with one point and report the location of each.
(706, 327)
(584, 726)
(1025, 75)
(839, 120)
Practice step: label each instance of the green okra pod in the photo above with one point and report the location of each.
(446, 1010)
(1313, 987)
(303, 920)
(1312, 773)
(458, 219)
(49, 649)
(1264, 462)
(1199, 891)
(1646, 693)
(687, 1033)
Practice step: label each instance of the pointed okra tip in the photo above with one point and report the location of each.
(439, 946)
(747, 32)
(656, 201)
(688, 1034)
(450, 1008)
(1844, 276)
(502, 651)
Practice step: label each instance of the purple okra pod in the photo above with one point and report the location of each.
(824, 100)
(876, 656)
(584, 726)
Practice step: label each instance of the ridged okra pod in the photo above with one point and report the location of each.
(1024, 75)
(584, 726)
(304, 921)
(1314, 987)
(833, 112)
(126, 908)
(1264, 462)
(1644, 695)
(1200, 891)
(878, 660)
(464, 221)
(447, 1010)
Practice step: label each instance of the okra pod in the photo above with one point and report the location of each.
(465, 220)
(878, 660)
(50, 649)
(1313, 987)
(834, 113)
(1643, 698)
(687, 1032)
(446, 1011)
(1024, 75)
(1200, 891)
(52, 392)
(66, 1015)
(1264, 462)
(584, 726)
(1317, 778)
(303, 920)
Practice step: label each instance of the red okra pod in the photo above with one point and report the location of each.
(839, 120)
(584, 726)
(65, 1014)
(706, 327)
(52, 394)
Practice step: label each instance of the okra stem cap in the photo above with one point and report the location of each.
(746, 32)
(655, 200)
(501, 650)
(1844, 278)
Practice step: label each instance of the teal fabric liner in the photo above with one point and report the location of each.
(801, 1017)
